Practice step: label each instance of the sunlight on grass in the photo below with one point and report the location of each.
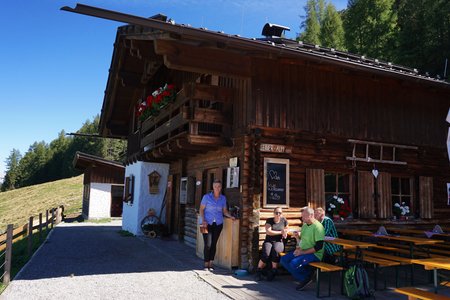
(18, 205)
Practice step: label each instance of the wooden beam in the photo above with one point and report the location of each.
(206, 115)
(208, 92)
(189, 58)
(207, 140)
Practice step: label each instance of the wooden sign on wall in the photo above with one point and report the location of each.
(274, 148)
(276, 182)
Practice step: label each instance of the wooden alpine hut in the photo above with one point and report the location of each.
(280, 122)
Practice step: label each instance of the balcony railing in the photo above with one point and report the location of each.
(201, 116)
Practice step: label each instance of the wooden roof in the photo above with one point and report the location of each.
(83, 161)
(146, 45)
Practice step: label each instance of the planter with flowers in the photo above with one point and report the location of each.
(400, 210)
(338, 208)
(155, 102)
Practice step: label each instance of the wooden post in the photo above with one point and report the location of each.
(30, 236)
(40, 227)
(8, 252)
(46, 219)
(53, 217)
(58, 215)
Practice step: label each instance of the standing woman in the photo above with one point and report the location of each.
(276, 231)
(212, 209)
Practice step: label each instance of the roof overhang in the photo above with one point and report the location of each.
(83, 161)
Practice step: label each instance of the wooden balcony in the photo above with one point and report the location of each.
(198, 120)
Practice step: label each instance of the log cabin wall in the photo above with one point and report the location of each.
(328, 153)
(315, 99)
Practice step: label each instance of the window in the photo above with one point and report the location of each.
(129, 189)
(402, 198)
(338, 194)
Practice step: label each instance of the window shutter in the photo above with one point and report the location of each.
(315, 187)
(384, 195)
(366, 207)
(426, 197)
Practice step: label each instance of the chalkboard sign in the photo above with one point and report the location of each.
(276, 182)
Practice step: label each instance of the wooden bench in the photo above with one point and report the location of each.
(400, 259)
(326, 268)
(401, 249)
(414, 293)
(379, 263)
(445, 283)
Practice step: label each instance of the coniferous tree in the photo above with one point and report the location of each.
(12, 170)
(311, 24)
(424, 34)
(371, 28)
(332, 31)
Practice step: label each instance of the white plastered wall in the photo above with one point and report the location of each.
(100, 200)
(134, 212)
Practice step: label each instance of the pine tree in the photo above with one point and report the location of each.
(332, 31)
(311, 24)
(12, 170)
(371, 28)
(424, 34)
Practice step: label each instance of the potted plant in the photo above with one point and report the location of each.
(155, 102)
(334, 207)
(400, 210)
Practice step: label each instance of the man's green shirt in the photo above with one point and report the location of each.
(310, 235)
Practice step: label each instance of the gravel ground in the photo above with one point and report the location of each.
(94, 261)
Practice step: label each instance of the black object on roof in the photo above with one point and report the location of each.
(274, 30)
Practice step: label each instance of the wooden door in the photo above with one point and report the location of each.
(116, 200)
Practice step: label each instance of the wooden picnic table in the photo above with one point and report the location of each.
(348, 244)
(354, 232)
(418, 232)
(434, 264)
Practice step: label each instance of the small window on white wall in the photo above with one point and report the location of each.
(129, 189)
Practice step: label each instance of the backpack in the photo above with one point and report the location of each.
(356, 283)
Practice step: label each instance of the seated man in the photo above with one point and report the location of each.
(309, 249)
(330, 230)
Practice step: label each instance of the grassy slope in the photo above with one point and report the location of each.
(18, 205)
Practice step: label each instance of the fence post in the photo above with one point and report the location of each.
(58, 215)
(8, 253)
(53, 217)
(30, 236)
(40, 227)
(46, 219)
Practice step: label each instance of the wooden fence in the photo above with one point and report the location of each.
(12, 235)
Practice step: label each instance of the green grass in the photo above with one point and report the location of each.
(99, 221)
(17, 206)
(19, 255)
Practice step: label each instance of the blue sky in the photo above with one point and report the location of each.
(54, 64)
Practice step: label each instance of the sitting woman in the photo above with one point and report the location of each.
(276, 231)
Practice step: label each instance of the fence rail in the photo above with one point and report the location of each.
(12, 235)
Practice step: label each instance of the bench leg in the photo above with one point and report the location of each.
(375, 271)
(329, 284)
(396, 276)
(317, 282)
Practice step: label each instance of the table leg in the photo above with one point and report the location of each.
(435, 280)
(411, 254)
(342, 265)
